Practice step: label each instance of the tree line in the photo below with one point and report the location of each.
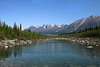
(17, 32)
(87, 32)
(91, 32)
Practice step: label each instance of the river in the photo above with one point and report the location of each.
(51, 53)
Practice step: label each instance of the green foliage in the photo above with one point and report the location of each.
(88, 32)
(20, 27)
(16, 32)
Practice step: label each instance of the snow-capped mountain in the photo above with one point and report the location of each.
(33, 27)
(47, 29)
(45, 26)
(78, 25)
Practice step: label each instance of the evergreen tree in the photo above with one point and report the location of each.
(14, 32)
(7, 31)
(15, 27)
(97, 27)
(29, 30)
(4, 26)
(0, 24)
(20, 27)
(18, 32)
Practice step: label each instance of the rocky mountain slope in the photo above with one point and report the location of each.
(47, 29)
(78, 25)
(83, 23)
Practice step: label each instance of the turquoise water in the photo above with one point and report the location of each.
(51, 53)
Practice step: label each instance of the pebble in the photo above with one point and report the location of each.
(89, 47)
(6, 46)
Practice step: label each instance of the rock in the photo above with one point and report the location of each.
(83, 41)
(1, 44)
(89, 47)
(12, 42)
(28, 41)
(10, 46)
(88, 38)
(5, 43)
(6, 46)
(22, 42)
(97, 45)
(17, 43)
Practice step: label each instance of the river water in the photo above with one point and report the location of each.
(51, 53)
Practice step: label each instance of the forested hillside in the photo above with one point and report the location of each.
(88, 32)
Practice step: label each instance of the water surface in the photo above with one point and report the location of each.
(51, 53)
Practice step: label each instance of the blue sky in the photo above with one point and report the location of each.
(39, 12)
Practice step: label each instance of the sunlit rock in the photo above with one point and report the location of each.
(89, 47)
(6, 46)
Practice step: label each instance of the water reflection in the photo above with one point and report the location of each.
(5, 53)
(10, 52)
(52, 47)
(52, 53)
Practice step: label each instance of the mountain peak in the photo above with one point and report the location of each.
(35, 26)
(93, 16)
(44, 26)
(53, 25)
(81, 24)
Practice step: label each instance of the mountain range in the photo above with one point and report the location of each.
(54, 29)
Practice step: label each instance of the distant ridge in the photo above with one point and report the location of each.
(47, 29)
(81, 24)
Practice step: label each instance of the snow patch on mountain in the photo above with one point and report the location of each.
(35, 26)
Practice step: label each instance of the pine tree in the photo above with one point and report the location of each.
(14, 33)
(10, 30)
(15, 27)
(29, 30)
(20, 27)
(18, 32)
(97, 27)
(7, 31)
(0, 26)
(4, 26)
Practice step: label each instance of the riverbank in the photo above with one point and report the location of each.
(13, 42)
(82, 41)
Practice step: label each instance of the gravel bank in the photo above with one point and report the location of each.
(83, 41)
(9, 43)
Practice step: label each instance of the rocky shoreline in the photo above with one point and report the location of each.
(14, 42)
(83, 41)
